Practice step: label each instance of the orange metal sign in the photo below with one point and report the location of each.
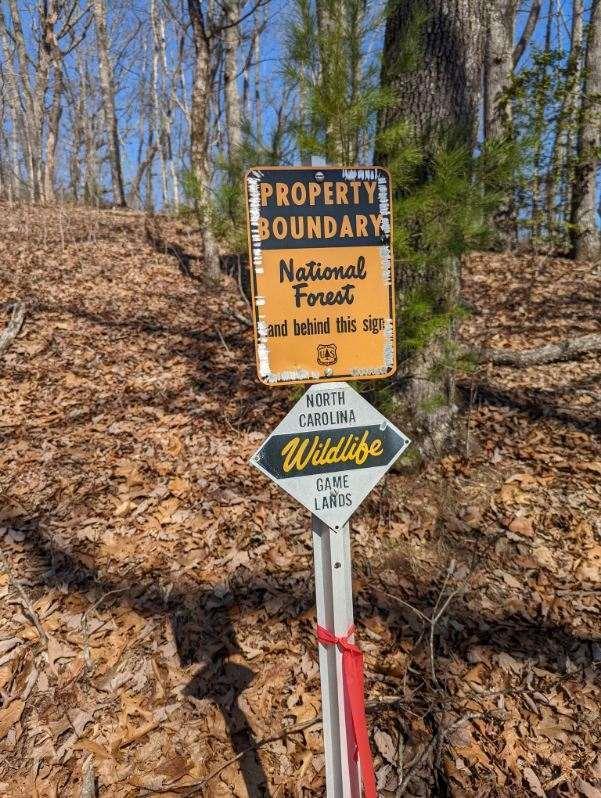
(320, 243)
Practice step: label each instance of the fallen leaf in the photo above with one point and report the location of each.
(593, 465)
(522, 526)
(544, 556)
(385, 745)
(124, 508)
(508, 663)
(93, 747)
(58, 651)
(10, 715)
(586, 789)
(534, 783)
(179, 486)
(79, 720)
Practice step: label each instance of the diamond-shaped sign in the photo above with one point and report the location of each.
(330, 451)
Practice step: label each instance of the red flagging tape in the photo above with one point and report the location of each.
(352, 670)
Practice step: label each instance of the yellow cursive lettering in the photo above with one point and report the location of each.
(299, 452)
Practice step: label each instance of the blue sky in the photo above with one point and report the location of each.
(131, 47)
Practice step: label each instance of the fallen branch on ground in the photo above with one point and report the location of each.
(436, 746)
(550, 353)
(438, 611)
(84, 625)
(88, 784)
(13, 328)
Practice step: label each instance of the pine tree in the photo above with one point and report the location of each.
(436, 108)
(337, 85)
(424, 110)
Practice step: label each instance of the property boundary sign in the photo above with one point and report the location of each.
(320, 243)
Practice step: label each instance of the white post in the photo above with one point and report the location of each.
(334, 599)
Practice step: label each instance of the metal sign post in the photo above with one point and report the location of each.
(334, 599)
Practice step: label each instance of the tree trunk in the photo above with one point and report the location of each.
(54, 56)
(199, 135)
(47, 56)
(17, 128)
(585, 234)
(355, 14)
(439, 98)
(258, 111)
(442, 93)
(560, 173)
(230, 73)
(20, 128)
(498, 68)
(7, 165)
(331, 19)
(251, 98)
(538, 183)
(53, 130)
(91, 177)
(156, 117)
(498, 73)
(143, 166)
(32, 101)
(108, 102)
(167, 103)
(575, 69)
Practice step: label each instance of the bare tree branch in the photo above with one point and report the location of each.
(529, 27)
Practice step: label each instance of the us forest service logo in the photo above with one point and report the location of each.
(320, 249)
(326, 354)
(330, 451)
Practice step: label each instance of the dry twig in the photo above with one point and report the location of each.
(435, 744)
(239, 317)
(197, 785)
(380, 701)
(567, 349)
(438, 612)
(24, 600)
(88, 784)
(84, 625)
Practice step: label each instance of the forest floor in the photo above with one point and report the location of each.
(157, 609)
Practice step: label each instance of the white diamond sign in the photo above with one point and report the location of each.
(330, 451)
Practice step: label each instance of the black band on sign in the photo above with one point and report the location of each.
(302, 454)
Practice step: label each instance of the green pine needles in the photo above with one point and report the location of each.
(336, 81)
(443, 201)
